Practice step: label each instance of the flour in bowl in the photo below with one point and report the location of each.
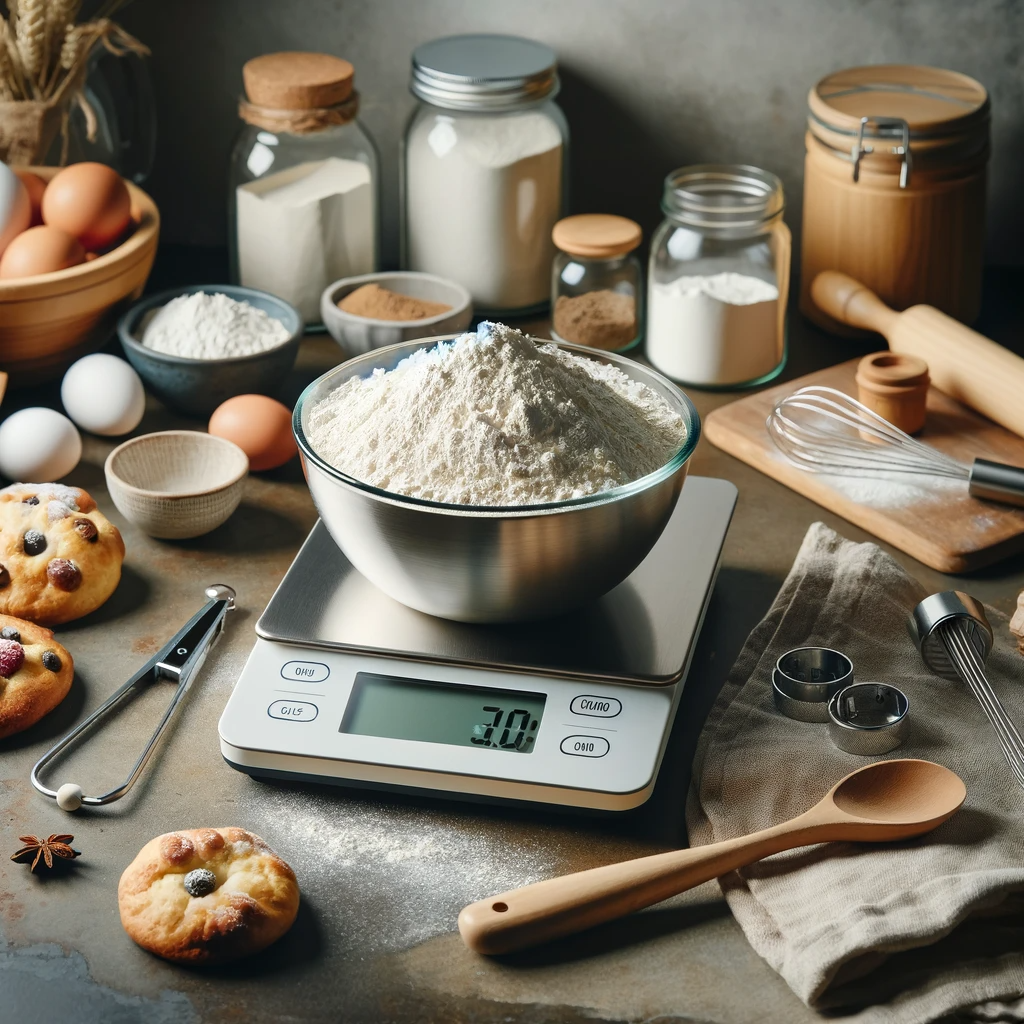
(493, 418)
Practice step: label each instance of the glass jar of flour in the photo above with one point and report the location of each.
(484, 168)
(718, 278)
(304, 180)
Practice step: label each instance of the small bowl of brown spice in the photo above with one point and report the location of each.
(374, 310)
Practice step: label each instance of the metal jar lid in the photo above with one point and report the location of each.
(483, 72)
(897, 117)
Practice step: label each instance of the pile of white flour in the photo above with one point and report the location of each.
(494, 419)
(212, 326)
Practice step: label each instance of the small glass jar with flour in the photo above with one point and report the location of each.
(596, 282)
(719, 277)
(304, 180)
(483, 169)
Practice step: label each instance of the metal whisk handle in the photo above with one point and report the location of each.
(997, 482)
(955, 638)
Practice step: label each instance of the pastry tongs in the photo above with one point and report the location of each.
(179, 660)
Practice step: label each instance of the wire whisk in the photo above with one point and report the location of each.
(822, 430)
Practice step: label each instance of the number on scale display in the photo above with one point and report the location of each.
(467, 716)
(517, 732)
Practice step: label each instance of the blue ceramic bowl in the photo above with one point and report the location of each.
(197, 386)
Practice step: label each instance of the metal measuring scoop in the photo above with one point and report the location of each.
(178, 660)
(954, 637)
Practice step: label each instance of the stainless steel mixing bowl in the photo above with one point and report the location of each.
(493, 564)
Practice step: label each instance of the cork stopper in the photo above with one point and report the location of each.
(895, 386)
(596, 235)
(297, 81)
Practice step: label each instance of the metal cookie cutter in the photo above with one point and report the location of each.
(179, 660)
(805, 679)
(868, 718)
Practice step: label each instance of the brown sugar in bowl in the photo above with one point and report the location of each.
(50, 320)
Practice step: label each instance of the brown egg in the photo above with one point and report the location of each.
(35, 186)
(261, 427)
(90, 202)
(40, 250)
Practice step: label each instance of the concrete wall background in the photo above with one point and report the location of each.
(648, 85)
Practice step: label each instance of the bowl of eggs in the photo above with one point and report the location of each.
(76, 247)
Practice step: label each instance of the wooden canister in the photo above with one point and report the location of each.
(894, 187)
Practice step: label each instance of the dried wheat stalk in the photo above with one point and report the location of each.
(43, 53)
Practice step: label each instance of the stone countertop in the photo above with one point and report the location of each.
(383, 878)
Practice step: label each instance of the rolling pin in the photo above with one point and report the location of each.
(964, 364)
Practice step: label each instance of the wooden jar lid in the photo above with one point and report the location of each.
(297, 81)
(596, 235)
(947, 113)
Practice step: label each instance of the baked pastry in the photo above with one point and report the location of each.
(35, 674)
(207, 895)
(60, 558)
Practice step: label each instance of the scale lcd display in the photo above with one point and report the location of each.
(465, 716)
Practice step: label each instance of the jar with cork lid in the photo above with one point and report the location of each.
(596, 282)
(304, 180)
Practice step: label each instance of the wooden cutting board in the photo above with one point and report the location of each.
(932, 519)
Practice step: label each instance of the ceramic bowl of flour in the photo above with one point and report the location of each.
(358, 334)
(493, 564)
(197, 386)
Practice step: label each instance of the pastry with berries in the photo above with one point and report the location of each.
(60, 557)
(35, 674)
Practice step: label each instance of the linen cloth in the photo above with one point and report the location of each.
(900, 933)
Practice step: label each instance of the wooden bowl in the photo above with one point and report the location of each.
(50, 320)
(176, 483)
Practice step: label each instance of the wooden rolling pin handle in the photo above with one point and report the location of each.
(850, 302)
(557, 907)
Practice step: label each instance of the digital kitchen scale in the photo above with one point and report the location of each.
(346, 685)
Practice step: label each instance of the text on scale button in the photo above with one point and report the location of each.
(595, 707)
(305, 671)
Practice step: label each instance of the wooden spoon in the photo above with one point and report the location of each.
(881, 802)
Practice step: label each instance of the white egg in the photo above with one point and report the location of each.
(103, 395)
(38, 445)
(15, 206)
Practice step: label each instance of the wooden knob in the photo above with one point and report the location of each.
(851, 302)
(895, 386)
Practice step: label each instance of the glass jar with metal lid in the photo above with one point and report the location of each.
(894, 186)
(484, 168)
(718, 278)
(303, 183)
(596, 282)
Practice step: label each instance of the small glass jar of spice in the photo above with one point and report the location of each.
(596, 282)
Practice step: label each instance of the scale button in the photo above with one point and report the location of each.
(595, 707)
(293, 710)
(305, 671)
(585, 746)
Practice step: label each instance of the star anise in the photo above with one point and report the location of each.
(36, 850)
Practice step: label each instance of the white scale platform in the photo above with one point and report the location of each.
(344, 683)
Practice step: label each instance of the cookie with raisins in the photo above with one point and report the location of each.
(60, 557)
(35, 674)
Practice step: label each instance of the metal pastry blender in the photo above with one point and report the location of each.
(179, 660)
(955, 638)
